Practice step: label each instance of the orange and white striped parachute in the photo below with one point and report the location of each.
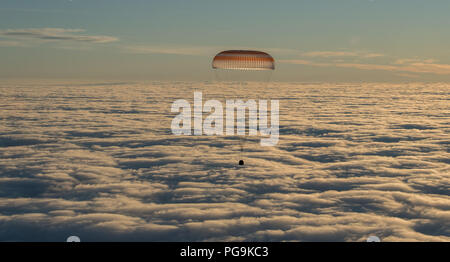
(243, 60)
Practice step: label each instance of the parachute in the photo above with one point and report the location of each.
(243, 60)
(239, 66)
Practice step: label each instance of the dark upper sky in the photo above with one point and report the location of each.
(349, 40)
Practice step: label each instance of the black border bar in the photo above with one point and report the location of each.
(225, 251)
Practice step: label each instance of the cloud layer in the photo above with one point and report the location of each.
(55, 34)
(415, 66)
(97, 160)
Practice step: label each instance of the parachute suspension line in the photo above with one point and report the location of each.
(217, 75)
(241, 144)
(229, 61)
(269, 76)
(240, 85)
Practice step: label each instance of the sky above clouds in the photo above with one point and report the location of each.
(321, 40)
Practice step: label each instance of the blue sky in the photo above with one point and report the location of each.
(348, 40)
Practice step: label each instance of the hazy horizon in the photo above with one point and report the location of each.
(326, 41)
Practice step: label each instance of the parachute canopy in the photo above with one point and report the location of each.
(243, 60)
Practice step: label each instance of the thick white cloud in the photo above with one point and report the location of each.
(99, 161)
